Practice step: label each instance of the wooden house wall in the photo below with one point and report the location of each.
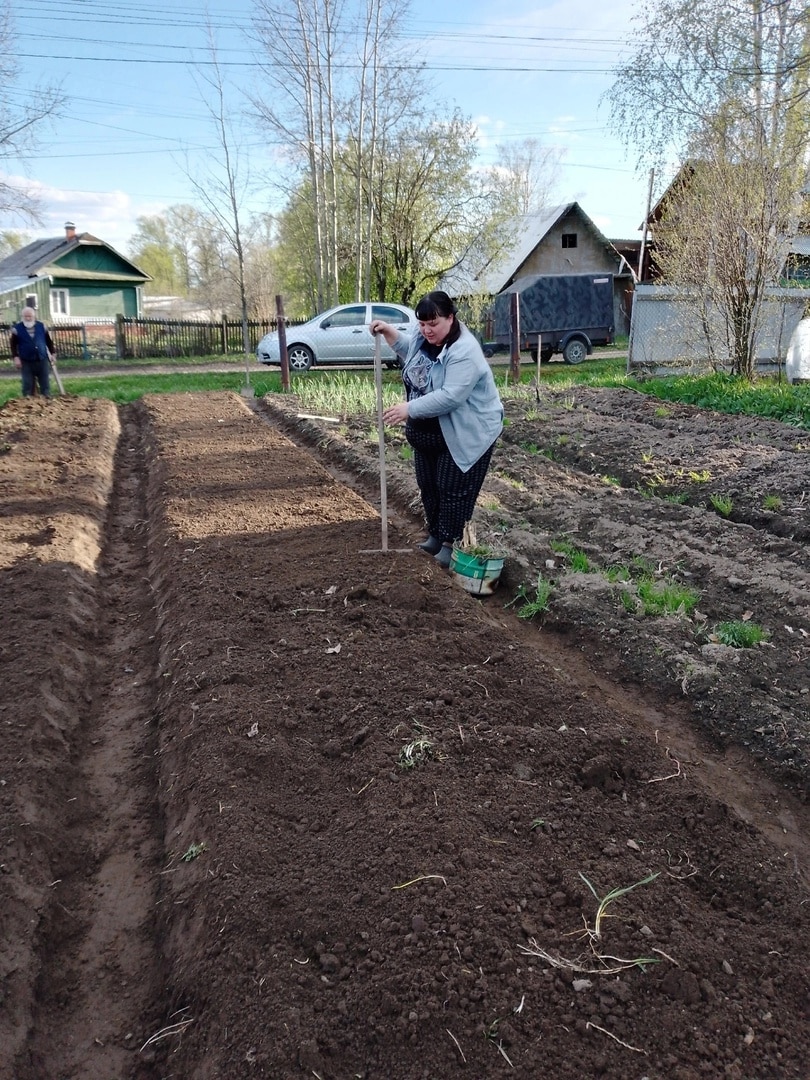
(13, 301)
(99, 301)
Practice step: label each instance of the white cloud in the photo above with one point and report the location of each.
(109, 215)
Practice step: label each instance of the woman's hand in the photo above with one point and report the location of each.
(396, 414)
(389, 332)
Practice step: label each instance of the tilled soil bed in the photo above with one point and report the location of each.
(276, 802)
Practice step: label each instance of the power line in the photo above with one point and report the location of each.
(254, 64)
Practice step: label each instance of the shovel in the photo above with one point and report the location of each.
(56, 375)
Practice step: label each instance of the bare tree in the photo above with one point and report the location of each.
(528, 172)
(223, 184)
(20, 121)
(724, 84)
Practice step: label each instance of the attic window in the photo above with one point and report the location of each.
(569, 239)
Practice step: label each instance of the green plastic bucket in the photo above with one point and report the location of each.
(476, 573)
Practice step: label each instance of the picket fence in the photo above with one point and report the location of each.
(126, 338)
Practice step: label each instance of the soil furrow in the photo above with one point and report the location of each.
(99, 991)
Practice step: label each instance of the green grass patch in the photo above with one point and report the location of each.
(617, 573)
(577, 559)
(661, 596)
(722, 504)
(124, 388)
(739, 634)
(532, 605)
(765, 397)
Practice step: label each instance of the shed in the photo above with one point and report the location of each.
(562, 240)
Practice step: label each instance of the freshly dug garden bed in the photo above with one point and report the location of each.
(278, 803)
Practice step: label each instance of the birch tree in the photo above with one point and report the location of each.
(298, 42)
(723, 85)
(335, 83)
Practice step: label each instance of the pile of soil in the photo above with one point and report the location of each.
(278, 803)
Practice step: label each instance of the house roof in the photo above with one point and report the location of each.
(11, 284)
(799, 245)
(42, 257)
(474, 275)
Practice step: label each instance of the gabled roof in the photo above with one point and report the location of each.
(42, 258)
(474, 275)
(799, 245)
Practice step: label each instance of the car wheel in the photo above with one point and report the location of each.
(300, 358)
(575, 351)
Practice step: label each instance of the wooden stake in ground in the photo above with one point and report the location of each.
(381, 440)
(247, 389)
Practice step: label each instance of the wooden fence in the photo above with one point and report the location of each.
(125, 338)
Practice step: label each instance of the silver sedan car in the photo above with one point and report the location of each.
(338, 336)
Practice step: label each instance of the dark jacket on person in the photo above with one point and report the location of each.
(28, 347)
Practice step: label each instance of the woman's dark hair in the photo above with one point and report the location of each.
(435, 305)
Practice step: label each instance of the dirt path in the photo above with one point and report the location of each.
(209, 830)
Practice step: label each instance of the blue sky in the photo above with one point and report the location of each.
(134, 123)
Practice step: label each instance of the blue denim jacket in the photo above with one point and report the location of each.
(461, 393)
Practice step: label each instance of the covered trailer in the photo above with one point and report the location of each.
(559, 313)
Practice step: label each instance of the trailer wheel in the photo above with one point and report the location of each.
(575, 351)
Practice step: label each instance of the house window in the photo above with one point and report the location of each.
(60, 302)
(31, 301)
(569, 239)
